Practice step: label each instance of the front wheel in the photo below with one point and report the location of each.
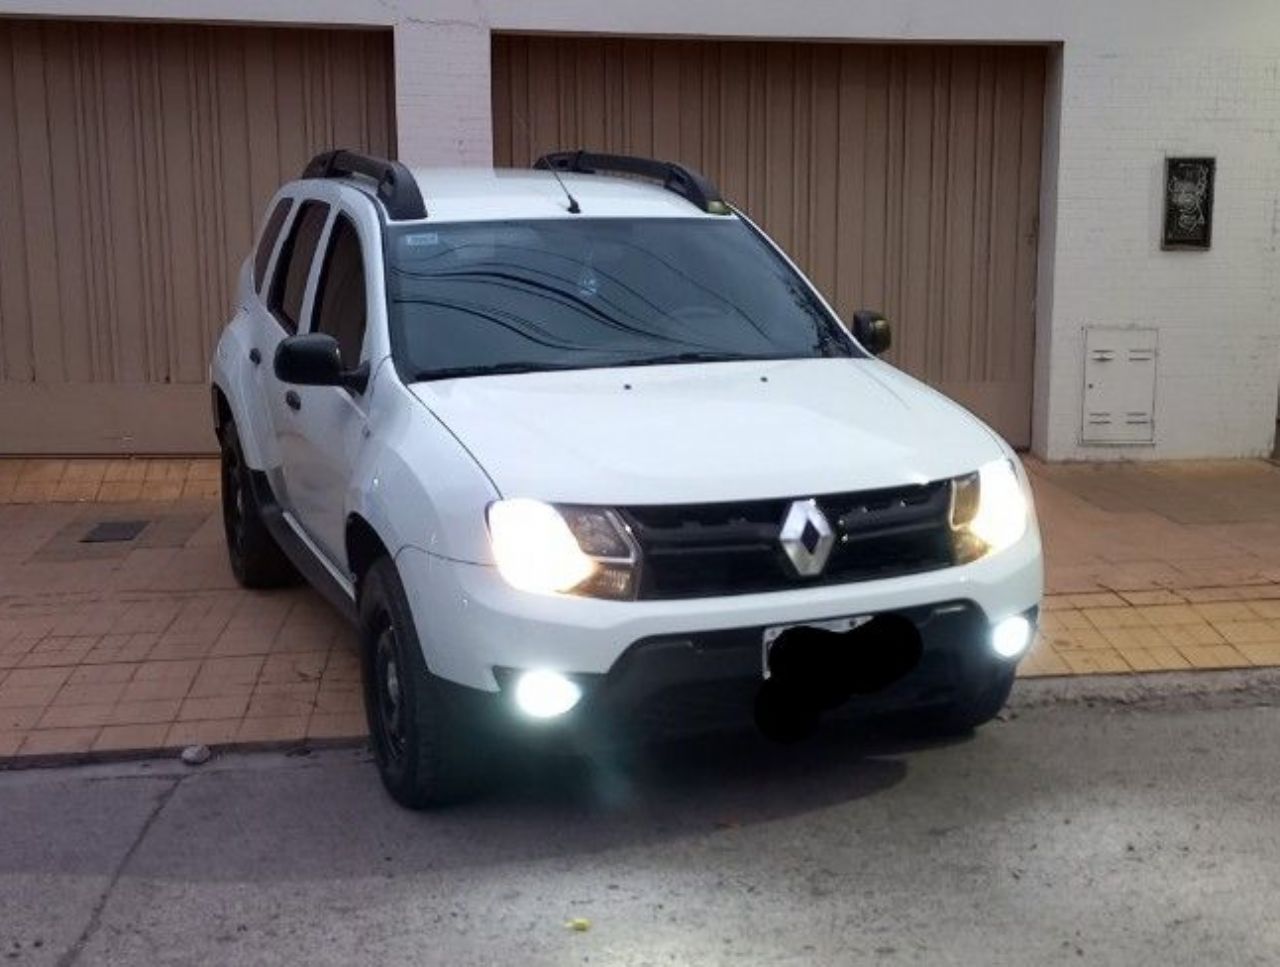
(428, 751)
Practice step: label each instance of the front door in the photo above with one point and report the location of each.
(327, 424)
(286, 302)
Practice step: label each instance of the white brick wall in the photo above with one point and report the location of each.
(1217, 314)
(443, 113)
(1139, 79)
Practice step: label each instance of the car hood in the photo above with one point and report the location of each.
(708, 432)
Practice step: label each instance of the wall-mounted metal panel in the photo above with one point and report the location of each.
(904, 178)
(137, 160)
(1119, 385)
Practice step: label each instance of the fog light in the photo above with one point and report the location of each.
(544, 695)
(1010, 637)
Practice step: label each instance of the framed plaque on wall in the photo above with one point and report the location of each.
(1188, 203)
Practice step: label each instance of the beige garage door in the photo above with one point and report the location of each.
(903, 178)
(136, 162)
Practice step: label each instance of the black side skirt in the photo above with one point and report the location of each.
(301, 556)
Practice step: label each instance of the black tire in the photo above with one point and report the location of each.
(430, 751)
(256, 558)
(976, 706)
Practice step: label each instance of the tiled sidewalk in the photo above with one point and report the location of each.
(1153, 567)
(45, 481)
(149, 643)
(147, 671)
(1145, 631)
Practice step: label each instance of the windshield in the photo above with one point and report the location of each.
(493, 297)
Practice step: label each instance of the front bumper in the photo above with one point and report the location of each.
(673, 685)
(470, 622)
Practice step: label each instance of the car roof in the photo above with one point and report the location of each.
(491, 194)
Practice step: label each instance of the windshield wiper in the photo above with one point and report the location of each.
(686, 357)
(509, 368)
(490, 369)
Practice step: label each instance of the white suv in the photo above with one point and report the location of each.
(589, 454)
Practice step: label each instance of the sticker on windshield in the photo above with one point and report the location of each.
(422, 239)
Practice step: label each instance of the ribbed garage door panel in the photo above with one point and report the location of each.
(137, 160)
(904, 178)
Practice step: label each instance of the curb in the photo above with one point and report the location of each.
(296, 747)
(1245, 685)
(1258, 686)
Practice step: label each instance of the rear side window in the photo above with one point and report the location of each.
(294, 264)
(268, 242)
(340, 296)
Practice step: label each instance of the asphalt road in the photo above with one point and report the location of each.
(1070, 834)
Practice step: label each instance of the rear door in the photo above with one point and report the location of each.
(264, 331)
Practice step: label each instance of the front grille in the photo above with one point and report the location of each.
(700, 550)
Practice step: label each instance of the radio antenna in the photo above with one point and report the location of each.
(574, 207)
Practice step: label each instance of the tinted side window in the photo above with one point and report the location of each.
(340, 297)
(268, 242)
(294, 264)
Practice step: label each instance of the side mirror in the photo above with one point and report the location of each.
(872, 330)
(314, 359)
(311, 359)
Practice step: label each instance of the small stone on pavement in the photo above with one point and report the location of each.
(196, 755)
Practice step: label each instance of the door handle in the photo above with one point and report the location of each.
(293, 400)
(255, 357)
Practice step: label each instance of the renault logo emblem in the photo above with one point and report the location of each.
(807, 537)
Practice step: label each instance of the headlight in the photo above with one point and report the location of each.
(550, 550)
(989, 511)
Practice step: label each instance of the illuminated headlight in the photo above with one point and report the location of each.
(562, 550)
(545, 695)
(989, 510)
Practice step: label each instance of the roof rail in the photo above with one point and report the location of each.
(685, 182)
(397, 188)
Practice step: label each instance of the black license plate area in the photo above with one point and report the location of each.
(831, 660)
